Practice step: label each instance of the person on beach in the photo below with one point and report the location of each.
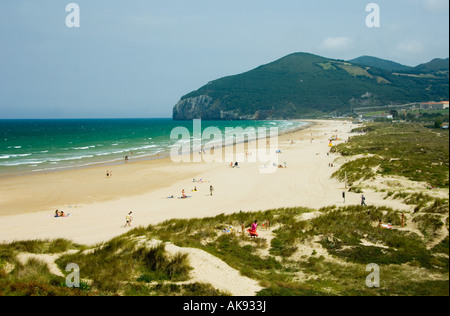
(343, 195)
(252, 231)
(183, 194)
(129, 218)
(267, 224)
(211, 189)
(363, 200)
(61, 214)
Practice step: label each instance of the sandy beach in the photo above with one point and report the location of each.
(98, 204)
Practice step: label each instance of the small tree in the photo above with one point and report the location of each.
(437, 123)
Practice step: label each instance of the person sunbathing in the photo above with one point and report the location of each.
(60, 214)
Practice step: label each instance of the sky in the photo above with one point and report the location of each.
(137, 58)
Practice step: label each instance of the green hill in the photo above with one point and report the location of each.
(306, 85)
(379, 63)
(436, 65)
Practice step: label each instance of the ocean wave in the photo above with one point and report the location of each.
(83, 148)
(21, 163)
(142, 147)
(69, 158)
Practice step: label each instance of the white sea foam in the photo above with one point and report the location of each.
(70, 158)
(110, 151)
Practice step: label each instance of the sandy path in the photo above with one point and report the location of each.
(210, 269)
(46, 258)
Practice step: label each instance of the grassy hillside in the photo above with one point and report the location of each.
(323, 256)
(387, 65)
(302, 85)
(409, 150)
(436, 65)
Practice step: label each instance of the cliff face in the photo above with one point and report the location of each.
(205, 108)
(194, 108)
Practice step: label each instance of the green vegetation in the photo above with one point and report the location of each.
(121, 266)
(387, 65)
(409, 150)
(33, 278)
(326, 255)
(431, 118)
(434, 66)
(122, 260)
(304, 85)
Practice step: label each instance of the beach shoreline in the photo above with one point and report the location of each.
(161, 155)
(69, 172)
(98, 203)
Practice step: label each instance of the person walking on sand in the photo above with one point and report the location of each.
(211, 189)
(363, 200)
(129, 218)
(343, 195)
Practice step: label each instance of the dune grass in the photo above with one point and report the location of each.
(341, 232)
(401, 149)
(349, 235)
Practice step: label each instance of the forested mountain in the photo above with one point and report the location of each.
(304, 85)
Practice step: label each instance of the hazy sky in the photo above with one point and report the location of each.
(137, 58)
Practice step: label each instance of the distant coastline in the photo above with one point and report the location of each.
(18, 158)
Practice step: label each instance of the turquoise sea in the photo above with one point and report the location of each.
(30, 146)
